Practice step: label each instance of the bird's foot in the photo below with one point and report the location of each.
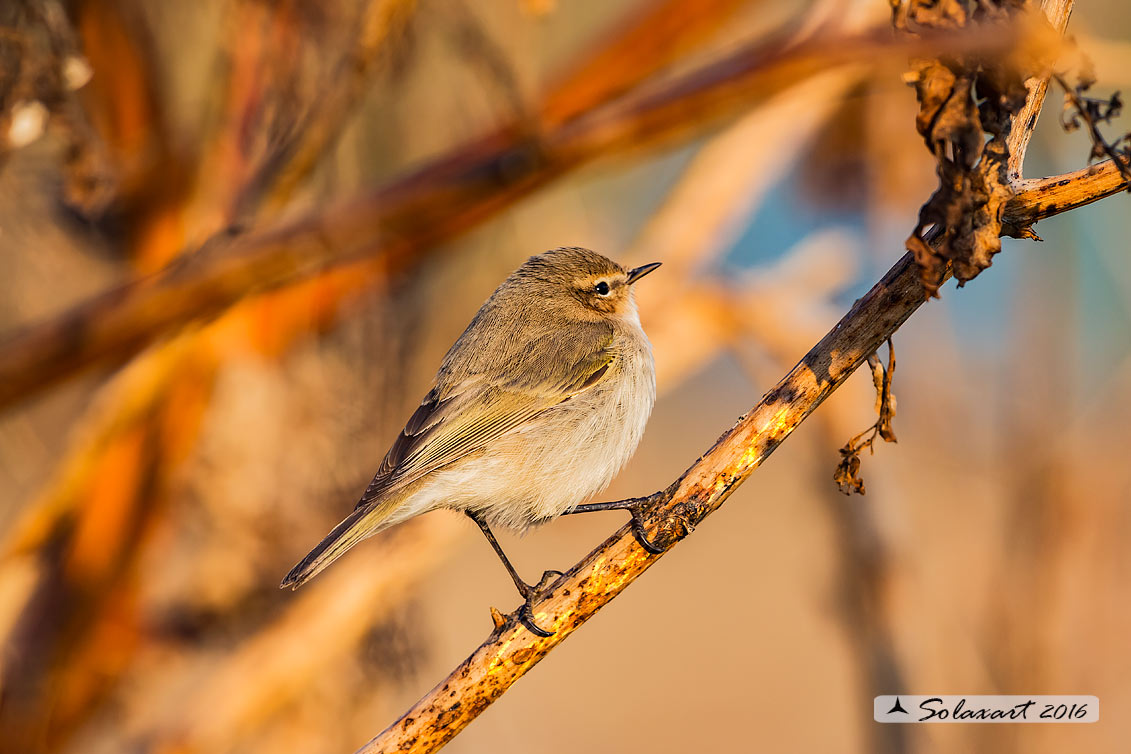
(638, 508)
(533, 595)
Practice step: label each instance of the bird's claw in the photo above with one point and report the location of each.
(638, 529)
(533, 595)
(526, 618)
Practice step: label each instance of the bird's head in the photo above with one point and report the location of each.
(583, 282)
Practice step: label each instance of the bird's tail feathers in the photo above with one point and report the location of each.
(363, 522)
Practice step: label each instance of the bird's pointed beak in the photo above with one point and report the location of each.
(639, 272)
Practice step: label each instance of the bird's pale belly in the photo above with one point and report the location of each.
(556, 461)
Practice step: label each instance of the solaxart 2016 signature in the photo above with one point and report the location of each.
(954, 708)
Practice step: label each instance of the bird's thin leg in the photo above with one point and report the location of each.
(634, 506)
(529, 593)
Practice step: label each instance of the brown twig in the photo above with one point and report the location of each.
(1039, 198)
(1057, 14)
(634, 49)
(578, 594)
(1093, 112)
(288, 163)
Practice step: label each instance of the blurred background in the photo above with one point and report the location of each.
(358, 176)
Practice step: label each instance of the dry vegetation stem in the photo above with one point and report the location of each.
(511, 650)
(1040, 198)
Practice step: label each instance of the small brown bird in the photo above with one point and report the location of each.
(535, 408)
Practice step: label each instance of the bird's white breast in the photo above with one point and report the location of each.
(594, 434)
(559, 459)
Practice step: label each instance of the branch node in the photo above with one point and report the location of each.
(501, 621)
(671, 524)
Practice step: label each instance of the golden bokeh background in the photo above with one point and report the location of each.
(149, 504)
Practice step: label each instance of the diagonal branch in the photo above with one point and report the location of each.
(577, 595)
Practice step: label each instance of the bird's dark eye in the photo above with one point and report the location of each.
(602, 288)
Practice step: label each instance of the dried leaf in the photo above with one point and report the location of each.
(877, 380)
(1082, 111)
(947, 113)
(885, 398)
(40, 72)
(938, 14)
(847, 474)
(962, 100)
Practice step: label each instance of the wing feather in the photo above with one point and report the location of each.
(451, 424)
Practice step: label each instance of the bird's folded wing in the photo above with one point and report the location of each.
(463, 418)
